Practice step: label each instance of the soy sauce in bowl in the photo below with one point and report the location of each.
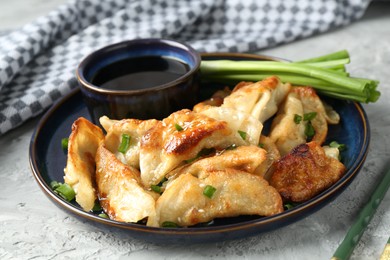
(140, 73)
(140, 78)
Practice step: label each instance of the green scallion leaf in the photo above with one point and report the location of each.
(156, 188)
(64, 143)
(242, 134)
(289, 205)
(309, 116)
(169, 224)
(97, 206)
(335, 144)
(125, 143)
(178, 127)
(209, 191)
(261, 145)
(54, 185)
(65, 191)
(103, 215)
(297, 119)
(327, 74)
(309, 130)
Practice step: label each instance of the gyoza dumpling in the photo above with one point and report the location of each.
(243, 125)
(134, 128)
(272, 155)
(312, 103)
(246, 158)
(286, 133)
(260, 99)
(180, 137)
(215, 101)
(305, 172)
(80, 166)
(236, 193)
(121, 193)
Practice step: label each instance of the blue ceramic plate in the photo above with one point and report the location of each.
(47, 160)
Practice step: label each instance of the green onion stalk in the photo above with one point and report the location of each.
(327, 74)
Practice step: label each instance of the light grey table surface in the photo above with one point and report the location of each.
(32, 227)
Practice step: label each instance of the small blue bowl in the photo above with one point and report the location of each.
(155, 101)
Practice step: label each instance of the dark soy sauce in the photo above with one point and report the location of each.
(139, 73)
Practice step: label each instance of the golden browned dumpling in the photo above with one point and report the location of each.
(121, 193)
(285, 132)
(235, 193)
(305, 172)
(80, 166)
(332, 117)
(312, 103)
(260, 99)
(272, 155)
(215, 101)
(244, 158)
(134, 128)
(246, 129)
(180, 137)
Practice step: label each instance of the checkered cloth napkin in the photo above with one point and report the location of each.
(38, 61)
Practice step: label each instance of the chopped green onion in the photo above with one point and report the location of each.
(335, 144)
(64, 143)
(65, 191)
(178, 127)
(261, 145)
(297, 119)
(209, 191)
(97, 206)
(156, 188)
(54, 184)
(290, 205)
(125, 143)
(309, 116)
(169, 224)
(309, 131)
(242, 134)
(103, 215)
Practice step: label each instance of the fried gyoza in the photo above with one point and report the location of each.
(134, 128)
(285, 132)
(215, 101)
(244, 158)
(260, 99)
(180, 137)
(121, 193)
(312, 103)
(237, 193)
(238, 121)
(80, 166)
(272, 155)
(305, 172)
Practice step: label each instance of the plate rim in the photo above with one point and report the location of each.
(287, 215)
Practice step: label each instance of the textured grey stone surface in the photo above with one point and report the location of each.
(32, 227)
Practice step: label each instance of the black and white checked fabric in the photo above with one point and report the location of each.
(37, 62)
